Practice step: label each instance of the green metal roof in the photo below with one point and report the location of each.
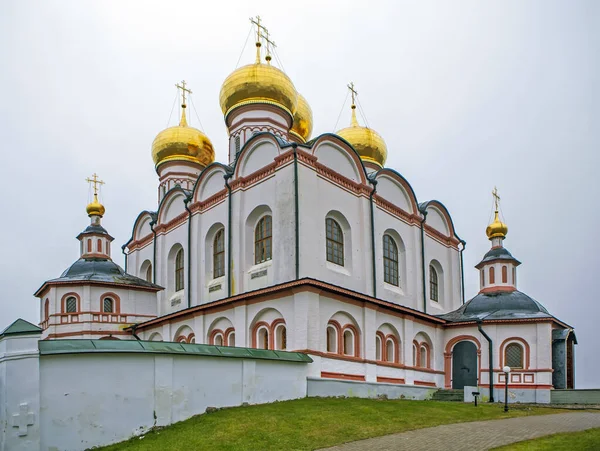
(53, 347)
(19, 327)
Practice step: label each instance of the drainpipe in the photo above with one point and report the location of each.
(296, 213)
(133, 328)
(462, 271)
(152, 224)
(186, 202)
(490, 358)
(125, 254)
(423, 260)
(374, 267)
(227, 177)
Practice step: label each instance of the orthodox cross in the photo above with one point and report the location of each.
(94, 181)
(496, 197)
(270, 43)
(259, 27)
(353, 91)
(23, 419)
(183, 91)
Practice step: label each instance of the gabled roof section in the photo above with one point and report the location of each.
(21, 327)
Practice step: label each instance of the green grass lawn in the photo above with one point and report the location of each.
(311, 423)
(588, 440)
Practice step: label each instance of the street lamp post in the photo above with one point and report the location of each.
(506, 370)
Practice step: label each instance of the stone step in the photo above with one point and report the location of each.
(449, 395)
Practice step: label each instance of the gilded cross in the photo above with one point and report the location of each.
(94, 181)
(183, 91)
(22, 419)
(258, 27)
(496, 197)
(353, 91)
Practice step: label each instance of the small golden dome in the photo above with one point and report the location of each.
(367, 142)
(258, 83)
(95, 208)
(182, 143)
(496, 228)
(303, 120)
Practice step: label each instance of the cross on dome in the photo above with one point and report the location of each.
(95, 208)
(95, 182)
(183, 121)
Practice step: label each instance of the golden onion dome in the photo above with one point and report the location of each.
(303, 120)
(182, 143)
(367, 142)
(258, 83)
(496, 228)
(95, 208)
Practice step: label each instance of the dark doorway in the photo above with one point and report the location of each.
(570, 362)
(464, 365)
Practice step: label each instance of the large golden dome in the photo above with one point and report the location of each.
(496, 229)
(367, 142)
(182, 143)
(303, 120)
(258, 83)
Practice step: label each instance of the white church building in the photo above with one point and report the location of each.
(309, 248)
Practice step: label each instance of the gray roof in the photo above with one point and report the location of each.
(101, 270)
(497, 306)
(497, 253)
(20, 327)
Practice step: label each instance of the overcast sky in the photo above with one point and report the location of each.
(467, 94)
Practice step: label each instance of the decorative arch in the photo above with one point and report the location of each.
(155, 336)
(251, 146)
(146, 271)
(424, 349)
(330, 140)
(402, 184)
(264, 329)
(141, 226)
(219, 330)
(116, 302)
(209, 182)
(444, 214)
(388, 335)
(526, 351)
(168, 209)
(63, 306)
(184, 335)
(348, 334)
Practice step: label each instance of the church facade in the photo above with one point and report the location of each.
(307, 244)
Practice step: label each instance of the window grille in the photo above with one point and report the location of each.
(335, 242)
(514, 355)
(71, 305)
(108, 305)
(390, 261)
(433, 284)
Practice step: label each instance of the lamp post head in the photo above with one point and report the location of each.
(506, 369)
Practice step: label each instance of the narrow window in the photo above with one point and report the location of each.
(513, 355)
(504, 274)
(71, 305)
(179, 270)
(424, 357)
(331, 339)
(149, 273)
(47, 309)
(389, 350)
(99, 245)
(108, 305)
(218, 340)
(482, 278)
(335, 242)
(378, 348)
(219, 254)
(492, 275)
(514, 274)
(433, 284)
(231, 339)
(281, 336)
(263, 338)
(89, 245)
(263, 240)
(415, 356)
(348, 342)
(390, 261)
(237, 144)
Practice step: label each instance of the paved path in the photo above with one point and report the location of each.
(477, 435)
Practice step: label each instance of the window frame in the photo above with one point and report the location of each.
(149, 273)
(112, 304)
(179, 270)
(434, 284)
(334, 248)
(492, 275)
(521, 350)
(219, 254)
(263, 240)
(391, 266)
(69, 298)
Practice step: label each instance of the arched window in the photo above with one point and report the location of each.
(504, 274)
(231, 338)
(390, 350)
(378, 348)
(335, 242)
(89, 245)
(390, 261)
(108, 305)
(46, 309)
(415, 354)
(482, 278)
(348, 342)
(331, 339)
(424, 356)
(281, 337)
(513, 355)
(263, 338)
(71, 305)
(218, 339)
(179, 270)
(149, 273)
(237, 144)
(514, 276)
(219, 254)
(263, 234)
(433, 284)
(99, 245)
(492, 275)
(191, 338)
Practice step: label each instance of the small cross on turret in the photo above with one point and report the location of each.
(95, 182)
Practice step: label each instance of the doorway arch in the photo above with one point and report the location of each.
(464, 365)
